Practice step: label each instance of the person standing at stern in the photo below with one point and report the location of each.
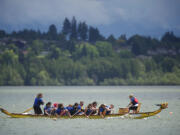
(133, 105)
(37, 103)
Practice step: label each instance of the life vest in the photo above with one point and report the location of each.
(134, 101)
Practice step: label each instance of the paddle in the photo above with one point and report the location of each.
(29, 109)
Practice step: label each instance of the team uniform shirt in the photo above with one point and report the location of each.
(73, 109)
(108, 112)
(47, 109)
(59, 110)
(88, 111)
(69, 108)
(38, 102)
(79, 107)
(101, 110)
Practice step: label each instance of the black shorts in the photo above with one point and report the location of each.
(37, 110)
(133, 108)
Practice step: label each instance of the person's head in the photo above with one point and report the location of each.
(111, 106)
(39, 95)
(94, 104)
(102, 106)
(76, 104)
(70, 105)
(81, 103)
(60, 105)
(48, 104)
(131, 96)
(55, 105)
(89, 106)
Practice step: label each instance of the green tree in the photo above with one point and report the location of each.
(168, 64)
(86, 50)
(111, 39)
(52, 32)
(37, 46)
(94, 35)
(43, 78)
(66, 27)
(2, 34)
(104, 48)
(8, 57)
(73, 35)
(82, 31)
(10, 76)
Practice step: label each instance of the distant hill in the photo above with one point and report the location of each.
(81, 55)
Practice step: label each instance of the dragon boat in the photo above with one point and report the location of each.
(122, 113)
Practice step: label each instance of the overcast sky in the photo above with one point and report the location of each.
(147, 17)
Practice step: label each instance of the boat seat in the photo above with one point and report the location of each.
(123, 110)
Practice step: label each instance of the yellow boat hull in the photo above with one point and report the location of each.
(128, 115)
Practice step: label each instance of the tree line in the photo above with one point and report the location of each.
(80, 55)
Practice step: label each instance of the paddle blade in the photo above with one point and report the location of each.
(27, 110)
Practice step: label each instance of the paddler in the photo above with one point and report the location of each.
(37, 103)
(133, 105)
(88, 110)
(61, 111)
(110, 109)
(94, 108)
(102, 110)
(76, 109)
(81, 105)
(48, 109)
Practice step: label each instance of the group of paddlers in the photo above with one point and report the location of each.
(59, 109)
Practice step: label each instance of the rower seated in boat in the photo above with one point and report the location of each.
(81, 106)
(54, 108)
(133, 105)
(102, 110)
(61, 111)
(88, 110)
(48, 109)
(94, 108)
(76, 109)
(109, 109)
(37, 103)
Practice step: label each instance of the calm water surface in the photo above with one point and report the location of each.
(18, 99)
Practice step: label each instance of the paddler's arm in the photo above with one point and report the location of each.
(101, 114)
(90, 114)
(85, 112)
(56, 115)
(45, 112)
(130, 104)
(77, 112)
(41, 102)
(68, 113)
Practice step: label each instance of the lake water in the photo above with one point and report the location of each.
(18, 99)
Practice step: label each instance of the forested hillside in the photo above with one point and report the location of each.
(80, 55)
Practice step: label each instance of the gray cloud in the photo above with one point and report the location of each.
(145, 14)
(45, 11)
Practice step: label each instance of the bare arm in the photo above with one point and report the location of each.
(130, 104)
(101, 114)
